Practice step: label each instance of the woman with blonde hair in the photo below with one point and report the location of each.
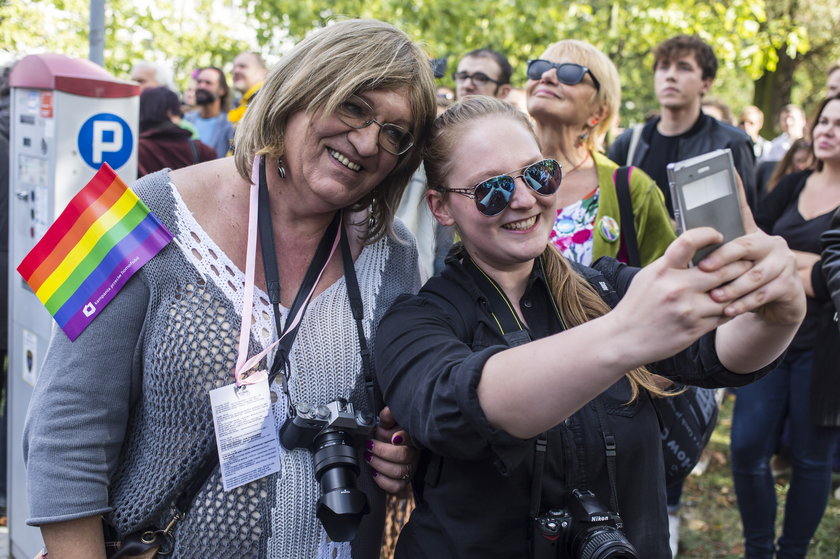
(574, 93)
(530, 399)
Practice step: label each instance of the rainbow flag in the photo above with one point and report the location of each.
(98, 242)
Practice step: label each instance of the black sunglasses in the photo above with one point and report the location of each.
(568, 73)
(479, 78)
(493, 195)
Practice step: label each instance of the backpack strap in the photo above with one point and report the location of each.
(634, 143)
(598, 281)
(625, 208)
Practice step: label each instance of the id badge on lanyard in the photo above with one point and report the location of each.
(246, 435)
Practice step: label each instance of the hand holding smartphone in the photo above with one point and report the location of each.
(704, 190)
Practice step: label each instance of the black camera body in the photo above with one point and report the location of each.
(310, 421)
(331, 432)
(586, 530)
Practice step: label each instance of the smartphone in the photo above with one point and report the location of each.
(704, 191)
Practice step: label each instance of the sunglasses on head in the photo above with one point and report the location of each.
(493, 195)
(568, 73)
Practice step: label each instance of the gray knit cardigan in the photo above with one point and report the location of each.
(120, 418)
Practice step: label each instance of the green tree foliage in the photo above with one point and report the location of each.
(750, 37)
(771, 51)
(797, 74)
(177, 34)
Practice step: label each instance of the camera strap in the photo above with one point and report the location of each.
(183, 500)
(335, 233)
(515, 334)
(610, 451)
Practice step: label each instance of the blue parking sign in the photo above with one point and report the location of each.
(105, 138)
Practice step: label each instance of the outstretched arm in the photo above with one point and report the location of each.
(764, 319)
(767, 304)
(557, 375)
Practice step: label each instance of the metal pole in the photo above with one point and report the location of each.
(97, 31)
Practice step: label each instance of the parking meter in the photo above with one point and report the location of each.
(68, 116)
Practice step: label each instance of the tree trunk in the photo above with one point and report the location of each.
(772, 91)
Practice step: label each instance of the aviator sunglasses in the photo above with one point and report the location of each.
(568, 73)
(493, 195)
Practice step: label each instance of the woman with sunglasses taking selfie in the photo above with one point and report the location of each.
(573, 95)
(508, 426)
(292, 236)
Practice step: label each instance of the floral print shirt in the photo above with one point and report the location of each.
(573, 229)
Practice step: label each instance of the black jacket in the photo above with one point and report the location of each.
(825, 401)
(831, 259)
(474, 480)
(712, 135)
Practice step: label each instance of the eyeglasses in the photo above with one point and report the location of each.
(479, 78)
(356, 113)
(568, 73)
(493, 195)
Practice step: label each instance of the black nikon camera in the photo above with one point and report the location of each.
(331, 432)
(585, 531)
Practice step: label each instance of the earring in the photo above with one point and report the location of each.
(594, 122)
(281, 170)
(373, 208)
(582, 138)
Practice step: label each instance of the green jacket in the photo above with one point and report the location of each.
(654, 231)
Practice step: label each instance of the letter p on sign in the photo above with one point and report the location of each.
(105, 138)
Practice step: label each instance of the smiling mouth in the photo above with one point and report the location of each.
(545, 93)
(344, 160)
(521, 225)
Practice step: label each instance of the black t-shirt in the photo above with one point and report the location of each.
(800, 234)
(664, 150)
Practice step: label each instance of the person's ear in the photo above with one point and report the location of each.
(597, 116)
(707, 85)
(503, 91)
(439, 207)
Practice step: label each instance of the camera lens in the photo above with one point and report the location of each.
(341, 506)
(604, 542)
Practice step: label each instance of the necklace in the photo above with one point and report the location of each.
(578, 166)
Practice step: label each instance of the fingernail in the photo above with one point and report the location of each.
(368, 456)
(374, 473)
(369, 445)
(396, 439)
